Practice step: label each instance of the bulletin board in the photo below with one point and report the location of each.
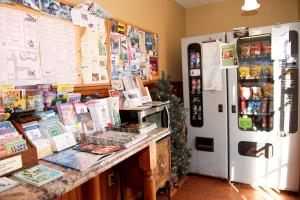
(55, 66)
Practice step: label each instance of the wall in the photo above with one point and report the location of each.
(226, 15)
(298, 9)
(165, 17)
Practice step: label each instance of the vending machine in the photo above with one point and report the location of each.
(206, 118)
(264, 136)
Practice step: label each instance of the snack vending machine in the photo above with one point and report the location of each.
(206, 118)
(263, 99)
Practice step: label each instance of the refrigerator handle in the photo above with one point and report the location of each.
(233, 108)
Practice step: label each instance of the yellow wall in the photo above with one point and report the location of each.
(226, 15)
(298, 9)
(165, 17)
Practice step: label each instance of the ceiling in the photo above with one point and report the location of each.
(194, 3)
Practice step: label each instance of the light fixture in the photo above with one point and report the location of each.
(250, 5)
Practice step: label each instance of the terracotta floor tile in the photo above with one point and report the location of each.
(183, 194)
(206, 188)
(223, 189)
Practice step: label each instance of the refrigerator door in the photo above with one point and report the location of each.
(206, 117)
(261, 151)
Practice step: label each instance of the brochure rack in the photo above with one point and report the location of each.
(28, 158)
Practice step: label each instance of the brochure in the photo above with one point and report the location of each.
(38, 175)
(7, 183)
(97, 149)
(74, 159)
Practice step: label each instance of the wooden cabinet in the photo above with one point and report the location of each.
(162, 172)
(132, 174)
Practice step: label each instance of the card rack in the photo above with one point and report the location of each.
(29, 156)
(195, 85)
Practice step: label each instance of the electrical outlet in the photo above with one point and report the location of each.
(111, 179)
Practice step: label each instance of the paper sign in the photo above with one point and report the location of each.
(280, 40)
(10, 164)
(228, 56)
(245, 122)
(212, 73)
(255, 31)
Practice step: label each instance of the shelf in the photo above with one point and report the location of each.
(255, 57)
(259, 80)
(258, 114)
(263, 99)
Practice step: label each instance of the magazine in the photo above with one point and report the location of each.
(97, 149)
(38, 175)
(13, 100)
(74, 159)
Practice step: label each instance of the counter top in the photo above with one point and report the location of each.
(73, 178)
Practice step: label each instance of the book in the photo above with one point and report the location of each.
(7, 183)
(85, 122)
(73, 97)
(59, 137)
(99, 113)
(113, 105)
(120, 95)
(74, 159)
(134, 128)
(38, 175)
(32, 130)
(66, 113)
(115, 138)
(80, 108)
(34, 134)
(97, 149)
(6, 127)
(13, 100)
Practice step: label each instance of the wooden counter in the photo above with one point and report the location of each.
(74, 178)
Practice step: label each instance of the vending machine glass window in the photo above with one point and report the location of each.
(195, 85)
(255, 78)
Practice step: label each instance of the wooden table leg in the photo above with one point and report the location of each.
(147, 162)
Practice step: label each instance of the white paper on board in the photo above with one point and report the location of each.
(212, 73)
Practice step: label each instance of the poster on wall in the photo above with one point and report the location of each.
(34, 4)
(153, 68)
(19, 50)
(94, 57)
(58, 51)
(148, 41)
(55, 8)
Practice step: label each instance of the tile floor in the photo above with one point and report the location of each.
(205, 188)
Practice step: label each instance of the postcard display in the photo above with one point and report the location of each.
(195, 85)
(35, 49)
